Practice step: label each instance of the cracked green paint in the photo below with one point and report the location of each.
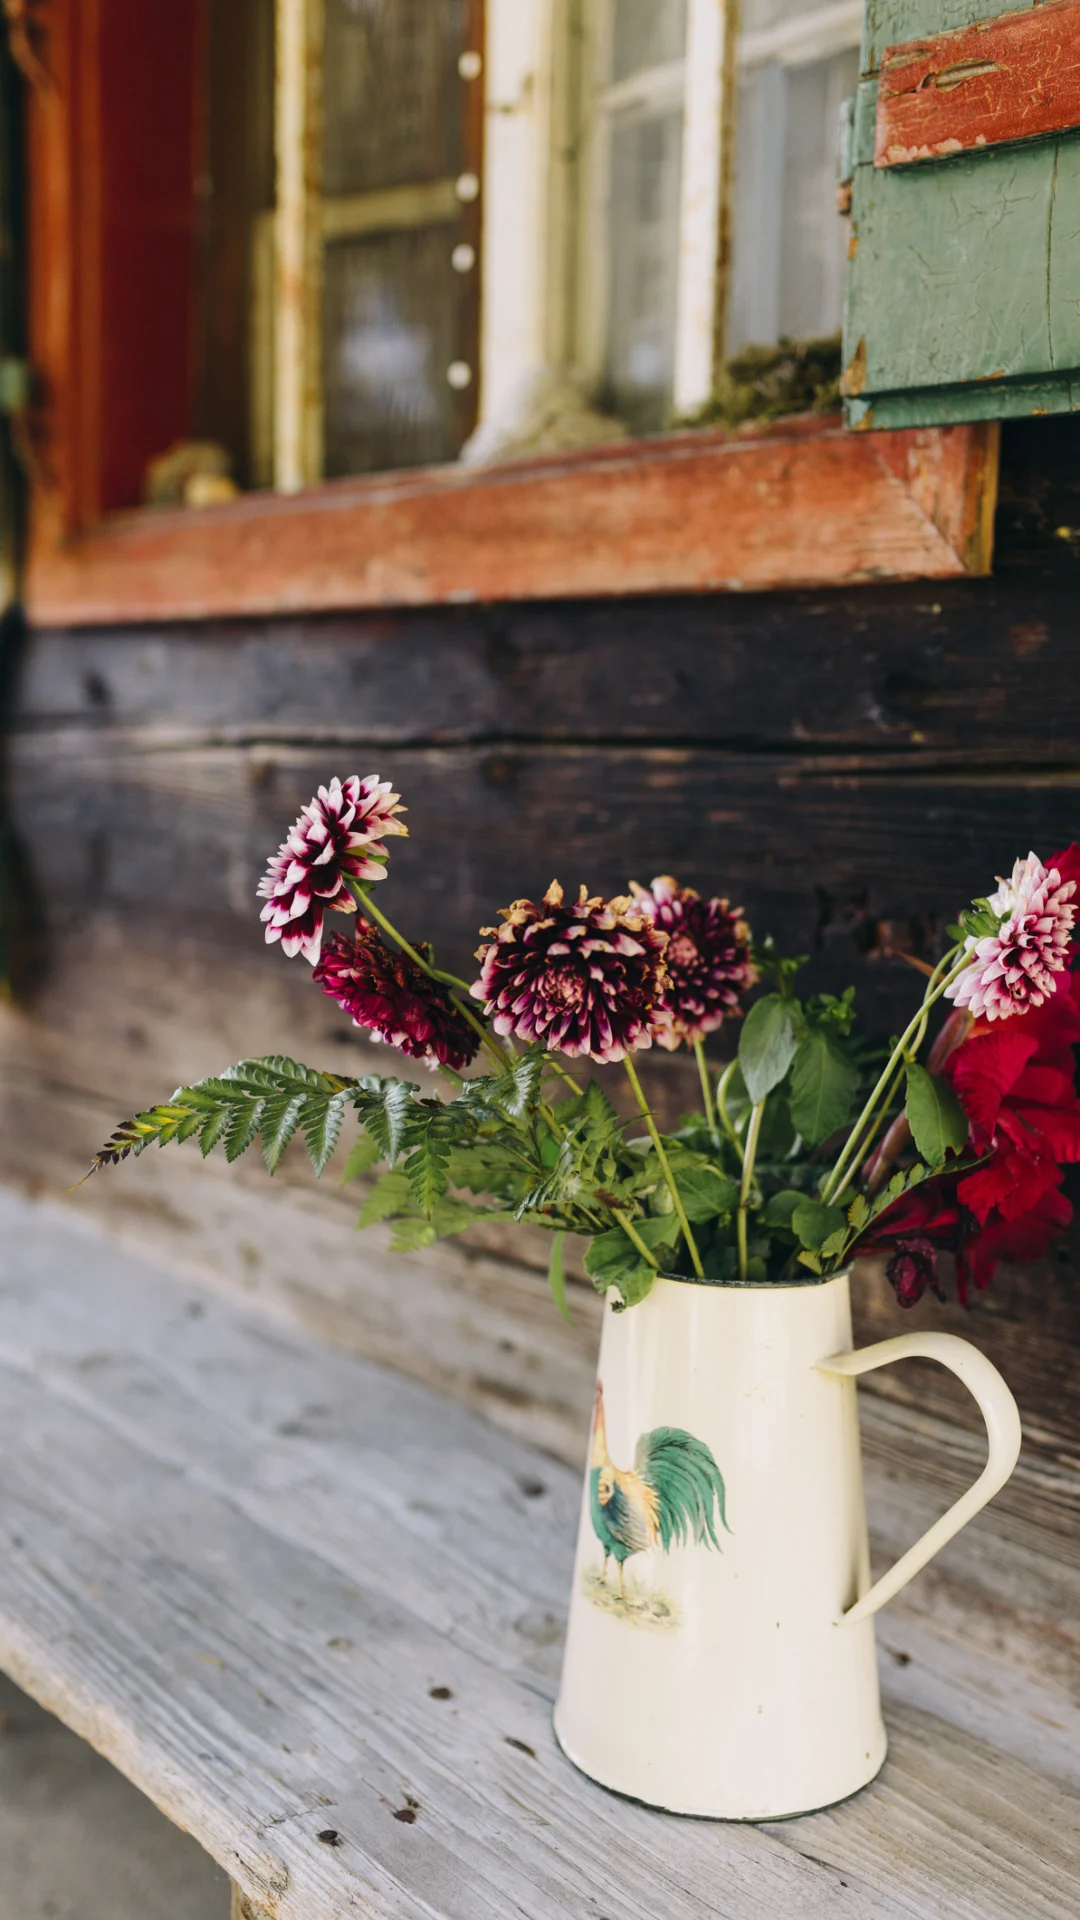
(963, 294)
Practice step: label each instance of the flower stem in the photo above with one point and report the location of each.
(367, 905)
(632, 1233)
(856, 1140)
(721, 1102)
(752, 1133)
(706, 1086)
(661, 1155)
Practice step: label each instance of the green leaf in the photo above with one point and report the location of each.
(363, 1155)
(706, 1193)
(937, 1120)
(824, 1082)
(767, 1044)
(321, 1123)
(386, 1109)
(281, 1115)
(858, 1213)
(428, 1164)
(781, 1207)
(557, 1275)
(388, 1196)
(814, 1222)
(612, 1260)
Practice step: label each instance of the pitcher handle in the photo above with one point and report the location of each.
(1002, 1417)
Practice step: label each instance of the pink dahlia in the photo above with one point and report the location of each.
(707, 959)
(1014, 968)
(338, 837)
(394, 999)
(583, 979)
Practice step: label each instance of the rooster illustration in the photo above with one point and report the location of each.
(667, 1496)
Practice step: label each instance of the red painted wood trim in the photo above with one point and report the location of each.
(113, 158)
(802, 503)
(1016, 77)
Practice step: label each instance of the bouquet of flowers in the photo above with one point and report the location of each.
(812, 1144)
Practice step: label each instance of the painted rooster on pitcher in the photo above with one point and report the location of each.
(673, 1492)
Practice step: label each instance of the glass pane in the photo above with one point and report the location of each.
(643, 241)
(788, 240)
(813, 238)
(391, 310)
(646, 33)
(393, 95)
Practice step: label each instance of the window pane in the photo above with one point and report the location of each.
(391, 310)
(393, 95)
(646, 164)
(813, 237)
(788, 241)
(646, 33)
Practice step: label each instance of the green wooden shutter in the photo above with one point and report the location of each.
(963, 294)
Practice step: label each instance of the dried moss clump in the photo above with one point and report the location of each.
(764, 383)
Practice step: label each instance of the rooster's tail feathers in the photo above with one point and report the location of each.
(689, 1485)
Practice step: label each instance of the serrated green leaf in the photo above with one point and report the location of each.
(813, 1221)
(767, 1044)
(858, 1213)
(363, 1155)
(557, 1275)
(321, 1121)
(810, 1260)
(388, 1196)
(938, 1122)
(386, 1109)
(244, 1123)
(281, 1114)
(824, 1082)
(428, 1164)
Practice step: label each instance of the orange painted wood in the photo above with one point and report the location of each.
(1016, 77)
(801, 503)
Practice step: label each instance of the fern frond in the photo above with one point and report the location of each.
(264, 1100)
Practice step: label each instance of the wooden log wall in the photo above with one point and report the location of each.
(844, 764)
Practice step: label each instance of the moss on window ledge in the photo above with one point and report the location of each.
(765, 383)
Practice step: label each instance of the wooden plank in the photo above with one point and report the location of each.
(965, 672)
(800, 503)
(245, 1596)
(1016, 77)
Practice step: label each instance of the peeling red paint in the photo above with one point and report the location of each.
(1016, 77)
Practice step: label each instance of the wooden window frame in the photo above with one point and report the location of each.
(800, 503)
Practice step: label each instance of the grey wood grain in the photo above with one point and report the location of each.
(239, 1564)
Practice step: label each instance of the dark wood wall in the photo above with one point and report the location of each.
(841, 763)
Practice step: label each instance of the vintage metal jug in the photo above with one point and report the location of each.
(720, 1652)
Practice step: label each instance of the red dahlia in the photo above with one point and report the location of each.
(394, 999)
(583, 979)
(338, 837)
(707, 959)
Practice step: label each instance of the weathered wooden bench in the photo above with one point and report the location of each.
(314, 1612)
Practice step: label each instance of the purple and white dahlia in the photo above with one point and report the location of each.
(707, 960)
(394, 999)
(582, 979)
(337, 837)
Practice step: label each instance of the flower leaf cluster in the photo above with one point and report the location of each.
(813, 1143)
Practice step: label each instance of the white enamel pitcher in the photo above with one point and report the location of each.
(720, 1651)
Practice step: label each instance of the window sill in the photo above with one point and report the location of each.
(798, 503)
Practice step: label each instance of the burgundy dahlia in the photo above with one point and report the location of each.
(707, 959)
(338, 837)
(583, 979)
(389, 994)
